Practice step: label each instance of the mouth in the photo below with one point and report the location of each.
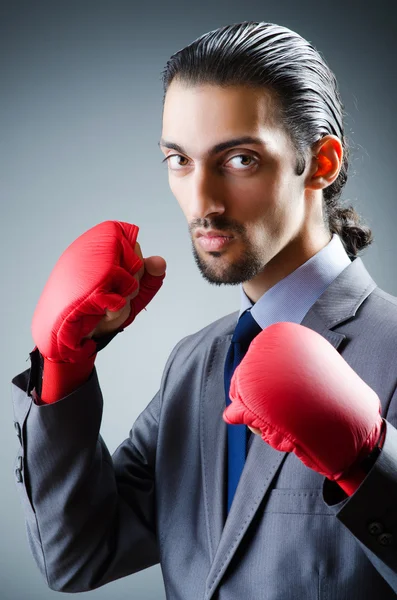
(214, 242)
(212, 233)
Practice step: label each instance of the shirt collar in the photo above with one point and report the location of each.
(291, 297)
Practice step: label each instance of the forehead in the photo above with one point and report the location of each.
(203, 115)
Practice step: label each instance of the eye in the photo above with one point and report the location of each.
(239, 165)
(173, 164)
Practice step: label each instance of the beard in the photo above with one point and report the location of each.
(220, 272)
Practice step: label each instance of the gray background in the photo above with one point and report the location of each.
(80, 118)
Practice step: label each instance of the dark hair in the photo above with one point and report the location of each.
(268, 55)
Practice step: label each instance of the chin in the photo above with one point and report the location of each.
(223, 268)
(226, 277)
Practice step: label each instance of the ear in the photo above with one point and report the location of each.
(326, 163)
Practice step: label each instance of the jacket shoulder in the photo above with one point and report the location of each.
(380, 312)
(390, 302)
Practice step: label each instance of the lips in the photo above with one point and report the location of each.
(212, 233)
(214, 242)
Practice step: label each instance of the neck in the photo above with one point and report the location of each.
(287, 260)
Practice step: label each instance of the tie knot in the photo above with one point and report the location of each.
(246, 329)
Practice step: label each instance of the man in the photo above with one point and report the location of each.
(253, 138)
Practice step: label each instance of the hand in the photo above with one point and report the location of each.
(99, 284)
(113, 320)
(303, 397)
(98, 274)
(256, 431)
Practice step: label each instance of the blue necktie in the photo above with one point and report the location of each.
(247, 328)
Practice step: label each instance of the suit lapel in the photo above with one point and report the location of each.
(339, 302)
(213, 439)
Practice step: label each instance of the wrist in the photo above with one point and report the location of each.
(353, 478)
(59, 379)
(368, 461)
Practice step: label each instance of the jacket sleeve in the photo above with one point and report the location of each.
(90, 517)
(371, 512)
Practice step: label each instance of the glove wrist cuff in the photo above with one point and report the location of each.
(55, 380)
(353, 479)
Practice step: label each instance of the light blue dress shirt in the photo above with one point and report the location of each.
(291, 297)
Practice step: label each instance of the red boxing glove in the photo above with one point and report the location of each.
(304, 397)
(93, 274)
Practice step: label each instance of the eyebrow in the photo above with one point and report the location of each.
(247, 139)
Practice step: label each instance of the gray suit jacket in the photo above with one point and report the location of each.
(290, 535)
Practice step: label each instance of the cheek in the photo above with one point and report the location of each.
(268, 206)
(256, 198)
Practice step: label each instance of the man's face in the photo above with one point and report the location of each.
(245, 189)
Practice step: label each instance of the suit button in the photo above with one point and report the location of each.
(20, 463)
(386, 539)
(375, 528)
(18, 430)
(18, 475)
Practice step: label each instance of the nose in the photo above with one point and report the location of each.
(205, 194)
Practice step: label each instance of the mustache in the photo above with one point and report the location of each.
(219, 224)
